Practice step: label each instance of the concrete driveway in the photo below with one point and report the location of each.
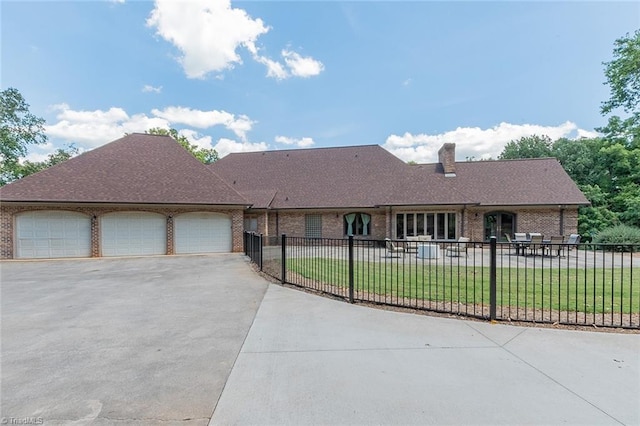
(128, 341)
(192, 339)
(310, 360)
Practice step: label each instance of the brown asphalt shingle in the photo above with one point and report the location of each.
(137, 168)
(357, 176)
(368, 176)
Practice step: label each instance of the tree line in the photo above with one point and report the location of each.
(606, 168)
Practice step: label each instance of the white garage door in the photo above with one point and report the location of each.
(133, 234)
(202, 233)
(48, 234)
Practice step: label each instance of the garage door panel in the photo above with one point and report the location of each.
(50, 234)
(203, 232)
(133, 234)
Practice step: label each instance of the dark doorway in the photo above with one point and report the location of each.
(498, 224)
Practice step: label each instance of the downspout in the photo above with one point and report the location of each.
(561, 221)
(462, 219)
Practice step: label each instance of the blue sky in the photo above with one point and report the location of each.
(257, 75)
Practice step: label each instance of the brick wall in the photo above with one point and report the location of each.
(293, 223)
(7, 221)
(544, 220)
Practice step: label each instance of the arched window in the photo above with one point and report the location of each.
(498, 224)
(357, 224)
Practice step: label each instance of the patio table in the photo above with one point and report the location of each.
(428, 251)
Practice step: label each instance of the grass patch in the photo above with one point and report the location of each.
(590, 290)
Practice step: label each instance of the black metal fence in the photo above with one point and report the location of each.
(586, 284)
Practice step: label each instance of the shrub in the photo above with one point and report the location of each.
(624, 236)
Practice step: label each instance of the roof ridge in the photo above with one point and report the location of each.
(309, 149)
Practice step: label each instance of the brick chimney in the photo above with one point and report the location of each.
(447, 157)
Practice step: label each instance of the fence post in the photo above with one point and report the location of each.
(493, 243)
(283, 275)
(350, 268)
(244, 242)
(261, 248)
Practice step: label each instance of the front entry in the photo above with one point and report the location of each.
(498, 224)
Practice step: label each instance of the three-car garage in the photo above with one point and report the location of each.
(60, 233)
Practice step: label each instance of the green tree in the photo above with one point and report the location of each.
(527, 147)
(623, 78)
(18, 129)
(578, 157)
(60, 155)
(207, 156)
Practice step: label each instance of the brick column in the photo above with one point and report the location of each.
(7, 233)
(170, 249)
(95, 236)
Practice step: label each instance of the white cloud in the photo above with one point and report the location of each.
(227, 146)
(274, 69)
(193, 117)
(35, 157)
(91, 129)
(302, 66)
(587, 134)
(209, 34)
(147, 88)
(204, 119)
(473, 141)
(201, 141)
(240, 126)
(302, 143)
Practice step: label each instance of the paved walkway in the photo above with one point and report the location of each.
(313, 360)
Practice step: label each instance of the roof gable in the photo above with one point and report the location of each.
(138, 168)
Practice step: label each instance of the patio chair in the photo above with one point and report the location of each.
(572, 242)
(520, 236)
(556, 243)
(536, 244)
(392, 248)
(515, 245)
(458, 248)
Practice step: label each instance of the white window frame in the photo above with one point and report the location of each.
(437, 234)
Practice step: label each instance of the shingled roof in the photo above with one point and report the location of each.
(370, 176)
(138, 168)
(355, 176)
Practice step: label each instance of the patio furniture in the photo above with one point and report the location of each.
(519, 242)
(428, 251)
(572, 242)
(458, 248)
(555, 243)
(392, 248)
(514, 243)
(535, 244)
(414, 241)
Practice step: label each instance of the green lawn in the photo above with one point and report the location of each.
(592, 290)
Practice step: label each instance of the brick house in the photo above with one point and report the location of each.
(368, 192)
(145, 194)
(139, 195)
